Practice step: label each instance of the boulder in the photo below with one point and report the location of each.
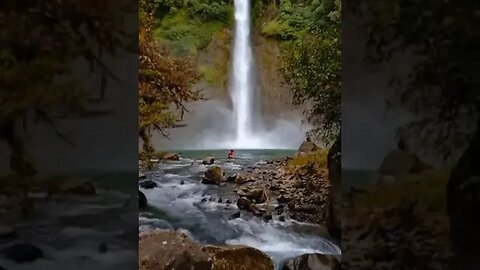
(252, 208)
(141, 176)
(241, 179)
(239, 258)
(235, 215)
(167, 250)
(169, 156)
(232, 178)
(208, 160)
(257, 195)
(243, 203)
(307, 147)
(142, 200)
(213, 175)
(149, 184)
(313, 262)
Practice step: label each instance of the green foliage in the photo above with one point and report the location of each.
(316, 160)
(189, 27)
(312, 60)
(213, 11)
(177, 32)
(164, 83)
(278, 30)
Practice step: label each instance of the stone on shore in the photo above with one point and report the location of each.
(243, 203)
(213, 176)
(208, 160)
(148, 184)
(169, 156)
(167, 250)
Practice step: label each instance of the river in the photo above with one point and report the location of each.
(204, 212)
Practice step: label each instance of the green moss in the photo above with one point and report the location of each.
(215, 75)
(186, 33)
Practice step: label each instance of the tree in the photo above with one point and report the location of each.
(40, 40)
(313, 66)
(165, 82)
(442, 91)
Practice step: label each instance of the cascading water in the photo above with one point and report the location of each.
(242, 90)
(214, 126)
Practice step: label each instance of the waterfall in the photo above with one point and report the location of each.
(217, 127)
(241, 88)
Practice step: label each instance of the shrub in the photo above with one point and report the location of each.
(278, 30)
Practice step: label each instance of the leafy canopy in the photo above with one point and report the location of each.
(312, 60)
(165, 81)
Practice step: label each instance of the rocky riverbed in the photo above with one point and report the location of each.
(254, 200)
(299, 196)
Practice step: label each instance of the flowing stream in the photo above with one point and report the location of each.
(205, 212)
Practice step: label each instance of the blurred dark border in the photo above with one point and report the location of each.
(410, 130)
(68, 134)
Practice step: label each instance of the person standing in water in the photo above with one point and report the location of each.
(231, 154)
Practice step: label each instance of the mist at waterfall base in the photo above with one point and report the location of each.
(209, 125)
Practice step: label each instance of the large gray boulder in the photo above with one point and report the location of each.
(213, 176)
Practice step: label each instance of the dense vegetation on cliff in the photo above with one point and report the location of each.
(187, 26)
(309, 33)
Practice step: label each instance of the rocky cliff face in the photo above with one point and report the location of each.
(275, 92)
(214, 64)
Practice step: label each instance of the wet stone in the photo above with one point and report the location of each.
(149, 184)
